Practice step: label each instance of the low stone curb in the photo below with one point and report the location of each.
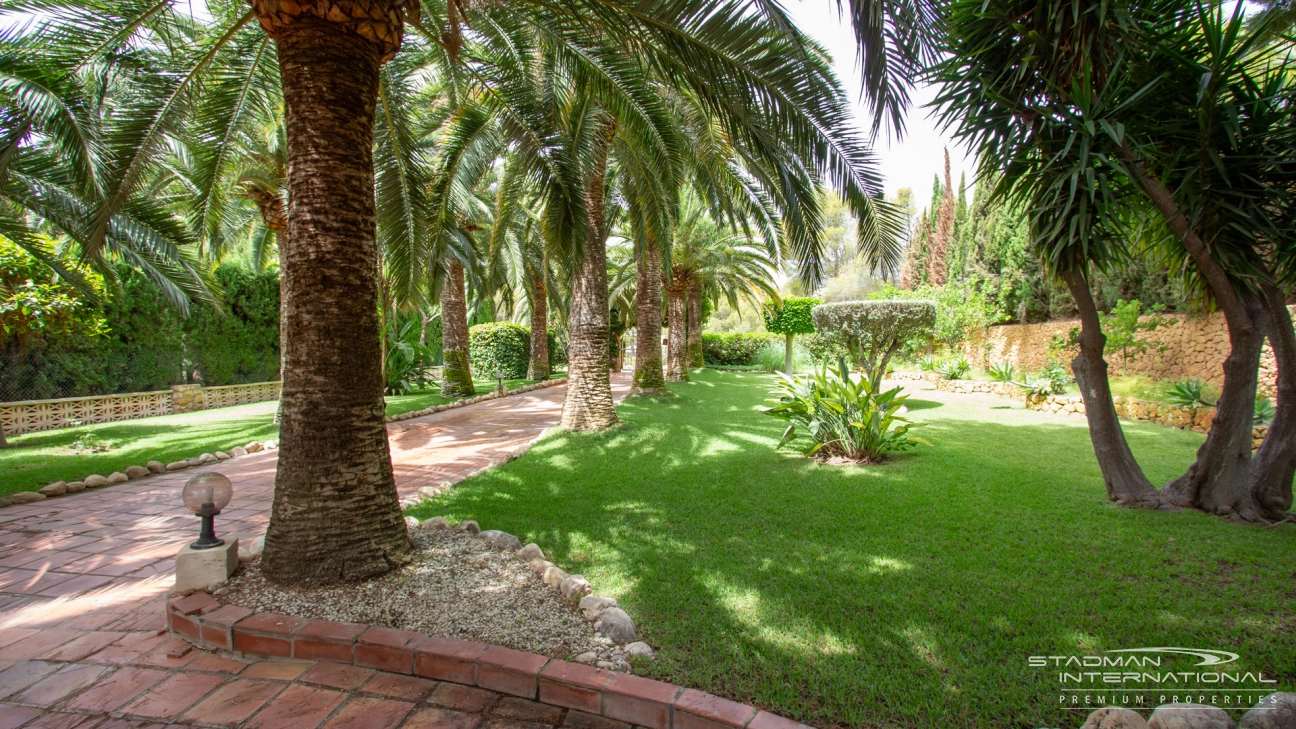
(203, 621)
(96, 481)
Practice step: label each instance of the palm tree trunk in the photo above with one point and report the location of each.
(695, 324)
(589, 404)
(4, 443)
(648, 377)
(456, 370)
(1125, 481)
(335, 514)
(1274, 463)
(677, 324)
(538, 369)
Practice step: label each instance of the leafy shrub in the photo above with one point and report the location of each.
(736, 348)
(408, 363)
(1002, 372)
(874, 330)
(791, 316)
(955, 369)
(499, 347)
(824, 348)
(841, 416)
(1264, 411)
(1188, 394)
(239, 342)
(1052, 380)
(929, 363)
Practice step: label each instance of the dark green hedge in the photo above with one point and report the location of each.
(499, 346)
(239, 343)
(792, 316)
(736, 349)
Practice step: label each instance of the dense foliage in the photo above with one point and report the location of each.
(874, 331)
(499, 347)
(57, 343)
(791, 316)
(843, 417)
(735, 349)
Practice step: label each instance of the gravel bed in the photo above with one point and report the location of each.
(457, 586)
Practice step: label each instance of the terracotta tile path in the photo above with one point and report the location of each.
(83, 580)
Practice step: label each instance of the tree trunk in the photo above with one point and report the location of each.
(456, 369)
(589, 404)
(1122, 475)
(1219, 480)
(677, 326)
(335, 514)
(648, 377)
(695, 359)
(788, 364)
(1274, 464)
(538, 369)
(4, 443)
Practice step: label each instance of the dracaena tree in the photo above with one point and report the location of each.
(1138, 127)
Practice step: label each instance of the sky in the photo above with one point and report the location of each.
(915, 159)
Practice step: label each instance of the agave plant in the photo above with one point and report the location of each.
(1188, 394)
(1002, 372)
(955, 369)
(842, 416)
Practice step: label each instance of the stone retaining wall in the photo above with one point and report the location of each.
(1198, 419)
(202, 620)
(29, 416)
(1197, 346)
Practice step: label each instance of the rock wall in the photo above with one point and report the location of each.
(1195, 348)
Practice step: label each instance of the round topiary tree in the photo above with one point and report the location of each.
(500, 347)
(790, 318)
(874, 330)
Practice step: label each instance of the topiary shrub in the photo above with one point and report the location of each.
(790, 318)
(737, 349)
(874, 330)
(499, 346)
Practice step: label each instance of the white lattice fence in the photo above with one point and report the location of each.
(227, 395)
(33, 415)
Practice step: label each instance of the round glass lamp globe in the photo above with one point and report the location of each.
(207, 492)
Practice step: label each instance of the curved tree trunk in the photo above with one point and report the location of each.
(335, 514)
(1219, 480)
(456, 369)
(677, 330)
(648, 376)
(695, 359)
(589, 404)
(1122, 475)
(538, 369)
(1274, 464)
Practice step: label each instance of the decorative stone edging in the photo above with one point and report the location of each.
(200, 619)
(63, 488)
(970, 387)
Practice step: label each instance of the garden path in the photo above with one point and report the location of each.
(83, 580)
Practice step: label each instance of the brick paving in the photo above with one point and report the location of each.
(83, 580)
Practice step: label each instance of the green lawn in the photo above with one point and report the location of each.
(35, 459)
(908, 594)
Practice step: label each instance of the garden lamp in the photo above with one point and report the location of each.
(205, 495)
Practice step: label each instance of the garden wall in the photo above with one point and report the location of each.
(33, 415)
(1196, 348)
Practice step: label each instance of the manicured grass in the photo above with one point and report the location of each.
(399, 404)
(35, 459)
(907, 594)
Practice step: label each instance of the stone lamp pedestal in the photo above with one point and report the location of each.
(199, 569)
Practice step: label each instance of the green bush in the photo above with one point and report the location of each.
(824, 348)
(956, 368)
(1002, 372)
(874, 331)
(240, 342)
(772, 358)
(791, 316)
(499, 347)
(842, 416)
(735, 349)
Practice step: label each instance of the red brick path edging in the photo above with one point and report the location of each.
(203, 621)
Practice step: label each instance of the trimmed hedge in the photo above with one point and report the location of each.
(499, 346)
(791, 317)
(736, 349)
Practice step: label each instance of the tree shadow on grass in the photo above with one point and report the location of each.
(908, 593)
